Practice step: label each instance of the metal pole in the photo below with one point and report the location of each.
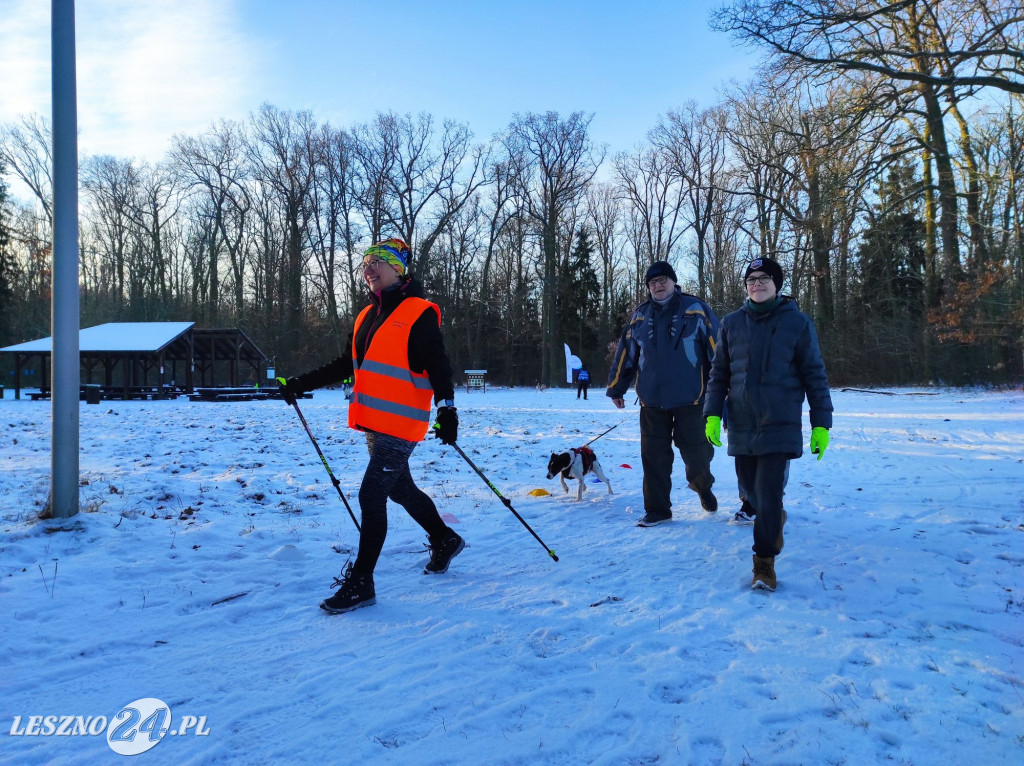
(334, 479)
(64, 303)
(505, 500)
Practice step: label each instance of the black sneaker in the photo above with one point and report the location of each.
(708, 501)
(354, 592)
(441, 554)
(746, 513)
(650, 520)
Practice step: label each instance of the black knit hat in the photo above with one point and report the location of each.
(660, 269)
(769, 267)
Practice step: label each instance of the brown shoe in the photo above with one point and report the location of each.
(764, 573)
(708, 501)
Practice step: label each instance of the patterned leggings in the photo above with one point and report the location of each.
(388, 476)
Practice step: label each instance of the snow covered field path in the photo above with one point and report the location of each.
(210, 532)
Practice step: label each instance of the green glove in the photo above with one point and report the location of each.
(290, 389)
(713, 430)
(819, 441)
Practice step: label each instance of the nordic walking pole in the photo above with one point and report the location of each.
(504, 499)
(610, 429)
(334, 479)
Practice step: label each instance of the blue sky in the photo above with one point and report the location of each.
(150, 68)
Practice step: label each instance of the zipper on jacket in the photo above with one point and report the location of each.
(767, 352)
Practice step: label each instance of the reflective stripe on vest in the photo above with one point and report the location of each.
(387, 396)
(394, 371)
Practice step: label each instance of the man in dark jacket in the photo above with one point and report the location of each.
(582, 381)
(399, 363)
(667, 346)
(767, 361)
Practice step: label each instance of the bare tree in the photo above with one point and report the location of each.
(516, 328)
(604, 214)
(728, 210)
(456, 285)
(929, 52)
(8, 267)
(214, 165)
(283, 154)
(502, 207)
(112, 188)
(27, 150)
(766, 162)
(461, 174)
(653, 186)
(332, 231)
(409, 172)
(808, 163)
(961, 44)
(156, 204)
(696, 142)
(634, 227)
(376, 150)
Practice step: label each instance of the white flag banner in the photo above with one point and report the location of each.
(572, 362)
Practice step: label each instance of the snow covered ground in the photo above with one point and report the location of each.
(210, 532)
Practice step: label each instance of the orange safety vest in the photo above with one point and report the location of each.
(387, 396)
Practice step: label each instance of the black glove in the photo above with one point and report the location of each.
(446, 427)
(290, 389)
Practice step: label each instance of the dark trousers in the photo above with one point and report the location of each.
(746, 495)
(659, 430)
(388, 477)
(764, 477)
(581, 388)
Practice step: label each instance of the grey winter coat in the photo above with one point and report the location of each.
(764, 366)
(668, 350)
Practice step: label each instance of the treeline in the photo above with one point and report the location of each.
(878, 156)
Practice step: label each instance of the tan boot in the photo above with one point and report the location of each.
(764, 573)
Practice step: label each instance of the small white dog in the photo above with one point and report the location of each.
(576, 464)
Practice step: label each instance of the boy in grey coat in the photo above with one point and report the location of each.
(766, 362)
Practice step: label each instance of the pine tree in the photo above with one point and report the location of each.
(892, 256)
(890, 307)
(580, 296)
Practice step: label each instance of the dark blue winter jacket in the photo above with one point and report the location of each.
(668, 350)
(766, 362)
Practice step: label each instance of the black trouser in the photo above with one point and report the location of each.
(659, 430)
(388, 476)
(581, 388)
(746, 494)
(764, 477)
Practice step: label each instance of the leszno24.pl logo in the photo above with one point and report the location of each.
(135, 728)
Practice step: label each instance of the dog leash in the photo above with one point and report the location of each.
(610, 429)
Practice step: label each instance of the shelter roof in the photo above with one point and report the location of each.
(124, 337)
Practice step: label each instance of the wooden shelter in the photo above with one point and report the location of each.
(138, 358)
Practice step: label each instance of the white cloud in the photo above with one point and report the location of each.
(146, 69)
(24, 58)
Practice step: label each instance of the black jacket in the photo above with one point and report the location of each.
(668, 350)
(765, 363)
(426, 344)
